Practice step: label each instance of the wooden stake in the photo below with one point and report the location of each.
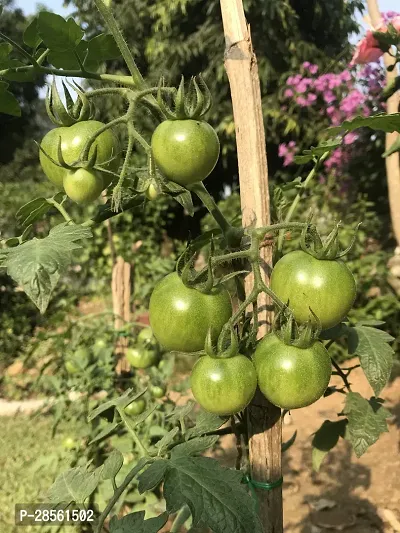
(393, 161)
(121, 294)
(264, 421)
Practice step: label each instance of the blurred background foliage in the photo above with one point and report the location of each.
(174, 37)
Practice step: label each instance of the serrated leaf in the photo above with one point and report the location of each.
(181, 411)
(34, 210)
(325, 439)
(194, 446)
(102, 47)
(57, 33)
(8, 103)
(215, 495)
(185, 199)
(105, 432)
(367, 420)
(381, 121)
(205, 423)
(66, 60)
(122, 401)
(317, 151)
(163, 443)
(74, 485)
(152, 476)
(112, 465)
(135, 523)
(375, 354)
(31, 35)
(139, 419)
(38, 264)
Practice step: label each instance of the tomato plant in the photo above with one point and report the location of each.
(292, 377)
(186, 151)
(180, 316)
(191, 310)
(327, 287)
(223, 386)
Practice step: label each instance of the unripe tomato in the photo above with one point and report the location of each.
(69, 443)
(136, 407)
(146, 336)
(73, 139)
(71, 366)
(291, 377)
(157, 391)
(100, 344)
(151, 192)
(327, 287)
(83, 186)
(186, 151)
(180, 317)
(141, 357)
(223, 386)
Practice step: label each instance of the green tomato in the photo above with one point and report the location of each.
(71, 367)
(73, 139)
(327, 287)
(151, 193)
(180, 317)
(100, 344)
(146, 337)
(83, 354)
(291, 377)
(135, 408)
(185, 151)
(223, 386)
(83, 186)
(141, 357)
(69, 443)
(157, 391)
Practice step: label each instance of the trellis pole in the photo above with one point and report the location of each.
(264, 419)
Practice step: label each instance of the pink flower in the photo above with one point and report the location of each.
(367, 50)
(288, 93)
(313, 69)
(395, 22)
(302, 101)
(329, 97)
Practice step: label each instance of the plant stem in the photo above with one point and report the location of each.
(341, 374)
(180, 519)
(132, 474)
(208, 202)
(121, 43)
(15, 45)
(299, 195)
(60, 208)
(142, 450)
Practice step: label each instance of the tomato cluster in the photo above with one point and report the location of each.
(82, 185)
(289, 374)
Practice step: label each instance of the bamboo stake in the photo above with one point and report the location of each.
(264, 420)
(393, 161)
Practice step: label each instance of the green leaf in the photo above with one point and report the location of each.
(205, 423)
(325, 439)
(112, 465)
(163, 443)
(181, 195)
(381, 121)
(367, 420)
(139, 419)
(376, 355)
(317, 151)
(5, 49)
(66, 59)
(102, 47)
(135, 523)
(181, 411)
(37, 265)
(57, 33)
(152, 476)
(74, 485)
(194, 446)
(31, 34)
(216, 496)
(8, 103)
(27, 75)
(289, 443)
(121, 401)
(105, 432)
(35, 210)
(394, 148)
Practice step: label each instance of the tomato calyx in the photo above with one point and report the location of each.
(224, 349)
(202, 281)
(287, 330)
(191, 103)
(311, 243)
(73, 111)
